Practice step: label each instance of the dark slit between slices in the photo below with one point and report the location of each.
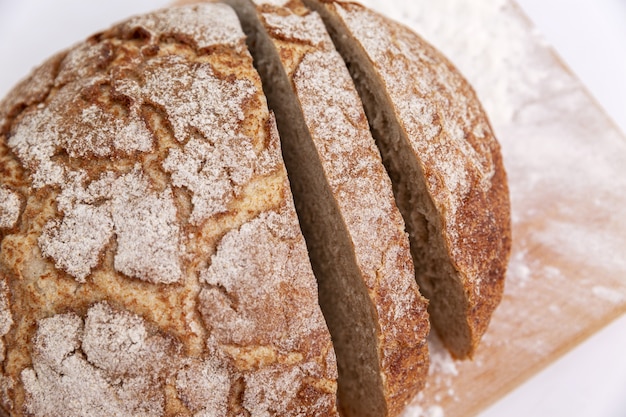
(343, 296)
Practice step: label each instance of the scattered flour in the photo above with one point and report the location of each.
(442, 372)
(519, 271)
(609, 294)
(542, 117)
(417, 411)
(544, 120)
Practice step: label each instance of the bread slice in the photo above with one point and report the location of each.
(151, 261)
(353, 229)
(444, 162)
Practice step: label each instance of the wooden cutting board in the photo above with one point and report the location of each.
(566, 163)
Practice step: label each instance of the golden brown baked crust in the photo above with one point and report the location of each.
(333, 135)
(151, 260)
(457, 155)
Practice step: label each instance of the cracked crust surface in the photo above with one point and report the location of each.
(151, 259)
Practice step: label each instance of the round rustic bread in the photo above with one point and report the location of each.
(151, 260)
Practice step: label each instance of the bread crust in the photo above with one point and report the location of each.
(151, 259)
(458, 156)
(359, 186)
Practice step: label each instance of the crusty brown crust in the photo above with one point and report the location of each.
(154, 266)
(336, 125)
(457, 154)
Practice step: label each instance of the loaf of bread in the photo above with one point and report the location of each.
(158, 257)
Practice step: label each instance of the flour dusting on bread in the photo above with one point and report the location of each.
(6, 319)
(260, 249)
(147, 166)
(205, 386)
(307, 29)
(105, 365)
(204, 27)
(144, 224)
(424, 107)
(10, 204)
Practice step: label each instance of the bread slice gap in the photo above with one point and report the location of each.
(353, 229)
(444, 163)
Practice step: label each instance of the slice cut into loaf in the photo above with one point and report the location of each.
(151, 262)
(353, 229)
(444, 162)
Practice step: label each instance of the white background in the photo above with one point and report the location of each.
(590, 35)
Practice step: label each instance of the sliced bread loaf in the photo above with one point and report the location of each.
(151, 261)
(444, 162)
(353, 229)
